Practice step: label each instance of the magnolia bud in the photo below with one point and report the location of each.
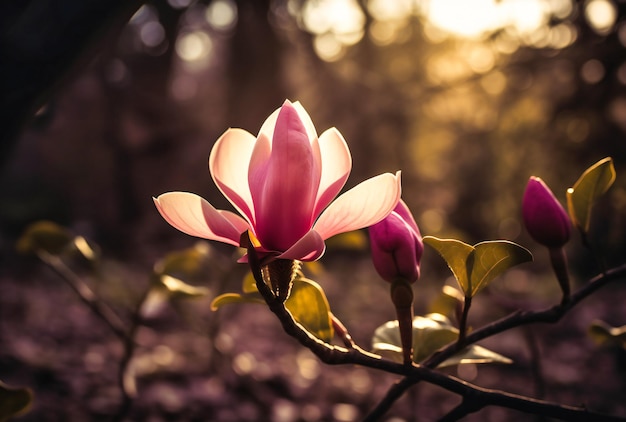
(544, 217)
(397, 246)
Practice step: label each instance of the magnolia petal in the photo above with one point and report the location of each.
(193, 215)
(270, 123)
(228, 164)
(403, 210)
(306, 120)
(309, 248)
(238, 223)
(337, 163)
(363, 205)
(284, 187)
(257, 170)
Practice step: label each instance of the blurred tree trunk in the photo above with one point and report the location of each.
(256, 82)
(40, 42)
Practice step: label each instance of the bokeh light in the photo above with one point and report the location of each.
(221, 15)
(601, 15)
(195, 48)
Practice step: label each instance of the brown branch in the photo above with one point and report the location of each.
(342, 332)
(516, 319)
(467, 303)
(126, 378)
(478, 396)
(520, 318)
(86, 295)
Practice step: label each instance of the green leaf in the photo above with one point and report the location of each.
(592, 184)
(188, 264)
(308, 305)
(45, 236)
(455, 253)
(475, 354)
(492, 258)
(449, 302)
(177, 288)
(249, 283)
(474, 267)
(86, 248)
(430, 333)
(604, 334)
(230, 298)
(13, 401)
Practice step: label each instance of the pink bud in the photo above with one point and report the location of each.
(545, 218)
(397, 246)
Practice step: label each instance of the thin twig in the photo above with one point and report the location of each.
(516, 319)
(463, 409)
(482, 397)
(535, 363)
(519, 318)
(393, 394)
(84, 292)
(467, 303)
(342, 332)
(127, 385)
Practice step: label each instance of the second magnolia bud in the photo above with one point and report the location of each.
(397, 246)
(544, 217)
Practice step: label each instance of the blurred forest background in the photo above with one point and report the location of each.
(106, 104)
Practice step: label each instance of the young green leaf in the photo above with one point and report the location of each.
(45, 236)
(474, 267)
(249, 283)
(603, 333)
(592, 184)
(230, 298)
(309, 306)
(449, 302)
(191, 264)
(475, 354)
(177, 288)
(430, 333)
(492, 258)
(13, 401)
(455, 253)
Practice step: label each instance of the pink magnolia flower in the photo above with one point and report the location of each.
(544, 217)
(397, 246)
(282, 183)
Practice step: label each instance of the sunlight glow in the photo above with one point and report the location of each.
(328, 47)
(336, 24)
(222, 14)
(194, 46)
(385, 10)
(464, 18)
(601, 15)
(338, 16)
(477, 18)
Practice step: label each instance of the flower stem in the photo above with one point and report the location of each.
(279, 275)
(467, 303)
(558, 259)
(402, 297)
